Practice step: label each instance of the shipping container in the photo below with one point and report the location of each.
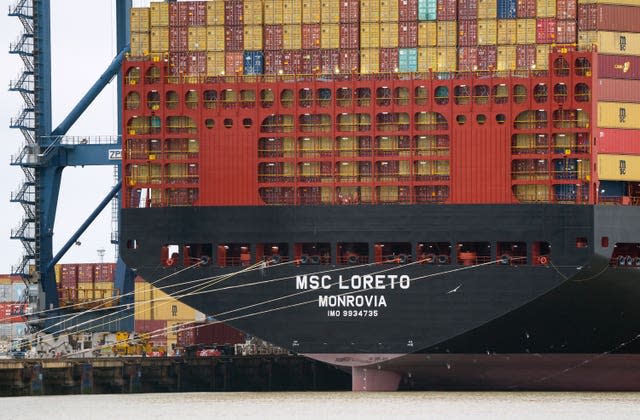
(407, 11)
(152, 304)
(427, 9)
(215, 12)
(273, 61)
(388, 62)
(446, 59)
(18, 292)
(5, 293)
(159, 41)
(618, 167)
(215, 38)
(447, 9)
(140, 44)
(178, 38)
(292, 61)
(233, 12)
(427, 59)
(447, 33)
(370, 11)
(253, 37)
(487, 32)
(467, 33)
(389, 34)
(487, 9)
(311, 61)
(155, 329)
(159, 13)
(350, 11)
(310, 36)
(349, 60)
(329, 11)
(139, 19)
(467, 9)
(197, 38)
(13, 330)
(507, 9)
(369, 35)
(427, 34)
(273, 37)
(525, 57)
(330, 61)
(506, 58)
(622, 43)
(621, 90)
(542, 57)
(349, 35)
(273, 12)
(545, 8)
(506, 32)
(330, 35)
(253, 62)
(545, 30)
(252, 14)
(607, 17)
(617, 2)
(526, 8)
(12, 312)
(408, 34)
(566, 9)
(233, 62)
(566, 32)
(618, 141)
(234, 38)
(311, 11)
(292, 12)
(208, 334)
(369, 60)
(526, 31)
(408, 60)
(487, 57)
(69, 275)
(618, 115)
(468, 58)
(586, 39)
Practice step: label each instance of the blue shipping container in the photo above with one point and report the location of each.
(408, 60)
(427, 9)
(253, 62)
(507, 9)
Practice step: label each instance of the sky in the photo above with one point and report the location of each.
(83, 45)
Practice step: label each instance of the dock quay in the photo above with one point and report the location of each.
(22, 377)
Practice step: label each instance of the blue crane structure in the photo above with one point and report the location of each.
(46, 152)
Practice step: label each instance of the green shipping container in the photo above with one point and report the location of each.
(408, 60)
(427, 9)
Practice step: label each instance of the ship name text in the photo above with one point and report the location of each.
(355, 282)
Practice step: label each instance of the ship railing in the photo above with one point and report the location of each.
(275, 259)
(473, 260)
(530, 175)
(352, 259)
(397, 258)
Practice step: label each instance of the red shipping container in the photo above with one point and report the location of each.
(104, 272)
(234, 38)
(310, 36)
(273, 37)
(388, 60)
(487, 57)
(310, 61)
(157, 330)
(12, 312)
(525, 56)
(85, 273)
(349, 11)
(468, 9)
(467, 33)
(178, 38)
(69, 274)
(233, 62)
(447, 10)
(197, 63)
(619, 67)
(408, 34)
(187, 13)
(178, 63)
(566, 32)
(233, 12)
(272, 61)
(208, 334)
(349, 35)
(468, 58)
(545, 30)
(292, 62)
(608, 17)
(526, 9)
(330, 61)
(174, 15)
(618, 141)
(408, 10)
(566, 9)
(349, 61)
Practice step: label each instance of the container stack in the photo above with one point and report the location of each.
(13, 294)
(613, 27)
(86, 285)
(160, 315)
(248, 37)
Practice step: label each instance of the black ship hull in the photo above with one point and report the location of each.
(391, 316)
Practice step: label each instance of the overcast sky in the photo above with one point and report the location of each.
(83, 45)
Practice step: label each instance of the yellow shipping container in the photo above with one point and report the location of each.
(215, 12)
(546, 8)
(58, 272)
(369, 60)
(447, 33)
(252, 37)
(427, 34)
(273, 12)
(526, 31)
(542, 57)
(152, 303)
(215, 38)
(252, 12)
(389, 11)
(447, 59)
(609, 167)
(487, 9)
(292, 37)
(370, 10)
(159, 13)
(587, 38)
(369, 35)
(506, 58)
(215, 63)
(159, 39)
(329, 35)
(389, 35)
(292, 11)
(618, 115)
(487, 32)
(506, 32)
(621, 43)
(139, 44)
(427, 59)
(139, 19)
(311, 11)
(197, 38)
(330, 11)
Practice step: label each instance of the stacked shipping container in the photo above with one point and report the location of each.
(82, 285)
(13, 294)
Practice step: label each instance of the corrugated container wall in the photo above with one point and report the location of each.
(606, 17)
(619, 67)
(609, 167)
(507, 9)
(618, 141)
(487, 9)
(618, 115)
(526, 8)
(623, 90)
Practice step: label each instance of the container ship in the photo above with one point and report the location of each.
(431, 193)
